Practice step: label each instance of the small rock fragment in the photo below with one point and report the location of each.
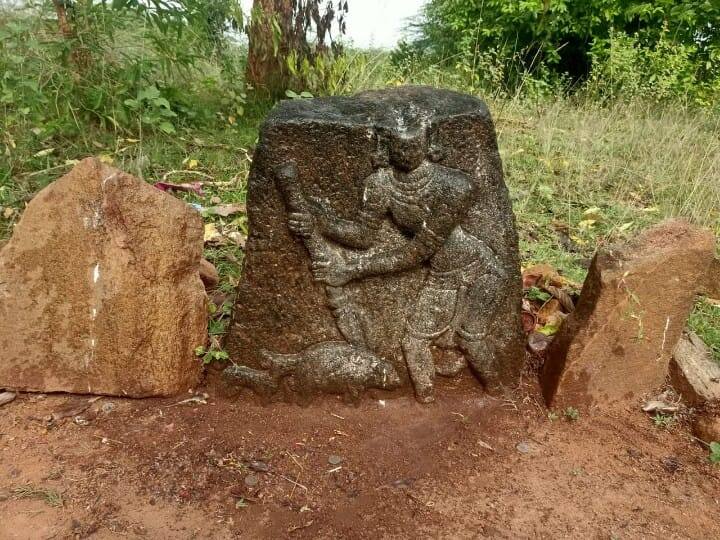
(209, 274)
(258, 466)
(659, 406)
(108, 407)
(671, 464)
(693, 372)
(251, 480)
(7, 397)
(525, 447)
(538, 342)
(707, 428)
(402, 483)
(335, 460)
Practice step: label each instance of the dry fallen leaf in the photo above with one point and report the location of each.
(211, 233)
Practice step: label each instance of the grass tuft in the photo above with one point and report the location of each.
(50, 496)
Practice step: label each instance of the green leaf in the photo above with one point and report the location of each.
(715, 452)
(132, 103)
(149, 93)
(537, 294)
(161, 102)
(549, 329)
(166, 127)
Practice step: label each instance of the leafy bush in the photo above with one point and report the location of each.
(624, 66)
(563, 42)
(113, 68)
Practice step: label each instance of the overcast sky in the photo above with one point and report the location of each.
(375, 23)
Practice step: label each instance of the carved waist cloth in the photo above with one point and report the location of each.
(444, 304)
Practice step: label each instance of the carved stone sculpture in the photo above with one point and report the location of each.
(382, 248)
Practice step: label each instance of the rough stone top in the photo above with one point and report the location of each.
(409, 106)
(657, 240)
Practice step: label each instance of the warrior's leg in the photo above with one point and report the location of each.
(480, 356)
(347, 318)
(480, 305)
(418, 357)
(431, 317)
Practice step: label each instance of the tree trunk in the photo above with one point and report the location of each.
(63, 24)
(269, 46)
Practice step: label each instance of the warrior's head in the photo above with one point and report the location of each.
(408, 150)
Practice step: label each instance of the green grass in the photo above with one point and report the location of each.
(705, 322)
(50, 496)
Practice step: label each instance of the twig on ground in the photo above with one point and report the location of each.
(167, 174)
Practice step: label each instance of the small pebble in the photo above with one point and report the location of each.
(524, 447)
(251, 480)
(108, 407)
(259, 466)
(7, 397)
(335, 460)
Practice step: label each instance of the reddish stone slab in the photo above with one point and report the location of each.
(617, 344)
(100, 289)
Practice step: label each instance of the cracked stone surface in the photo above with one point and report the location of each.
(382, 248)
(100, 290)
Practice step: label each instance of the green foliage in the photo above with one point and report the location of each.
(50, 496)
(211, 355)
(676, 42)
(663, 71)
(705, 322)
(116, 69)
(715, 452)
(537, 294)
(154, 110)
(571, 414)
(663, 421)
(219, 318)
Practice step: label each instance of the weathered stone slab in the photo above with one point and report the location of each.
(381, 238)
(694, 374)
(617, 343)
(100, 289)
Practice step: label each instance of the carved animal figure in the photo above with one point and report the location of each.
(334, 367)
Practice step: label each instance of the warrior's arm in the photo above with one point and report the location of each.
(361, 233)
(447, 215)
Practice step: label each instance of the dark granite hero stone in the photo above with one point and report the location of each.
(382, 248)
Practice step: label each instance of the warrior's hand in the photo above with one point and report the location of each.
(301, 223)
(335, 274)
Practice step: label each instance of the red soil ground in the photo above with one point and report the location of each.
(154, 469)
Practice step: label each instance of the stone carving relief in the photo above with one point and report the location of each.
(416, 215)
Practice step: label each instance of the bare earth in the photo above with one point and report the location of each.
(388, 468)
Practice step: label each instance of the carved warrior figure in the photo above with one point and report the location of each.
(339, 367)
(429, 204)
